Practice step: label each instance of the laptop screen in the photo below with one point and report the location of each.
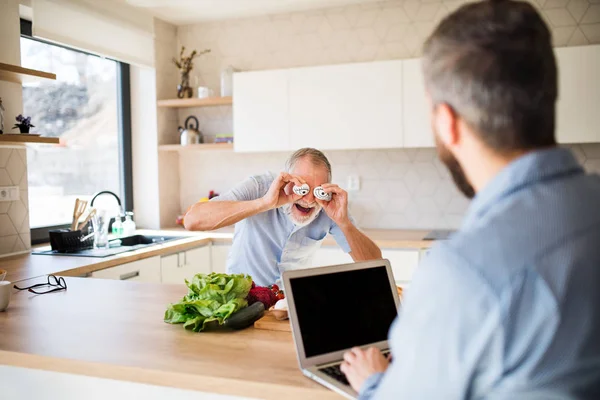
(340, 310)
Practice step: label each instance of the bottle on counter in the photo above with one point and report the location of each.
(117, 227)
(129, 224)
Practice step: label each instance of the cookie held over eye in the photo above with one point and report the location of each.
(301, 190)
(321, 194)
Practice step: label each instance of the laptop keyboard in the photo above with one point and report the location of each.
(336, 373)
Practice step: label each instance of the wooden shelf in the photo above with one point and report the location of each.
(17, 74)
(8, 138)
(195, 102)
(197, 147)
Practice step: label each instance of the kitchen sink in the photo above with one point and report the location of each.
(137, 240)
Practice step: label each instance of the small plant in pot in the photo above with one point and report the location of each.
(24, 123)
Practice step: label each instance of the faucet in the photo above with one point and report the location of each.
(111, 193)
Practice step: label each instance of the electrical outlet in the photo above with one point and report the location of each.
(9, 193)
(353, 183)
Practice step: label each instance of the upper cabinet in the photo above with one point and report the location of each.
(416, 118)
(578, 108)
(350, 106)
(382, 105)
(260, 111)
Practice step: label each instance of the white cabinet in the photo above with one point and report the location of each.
(175, 268)
(416, 109)
(403, 262)
(260, 111)
(578, 108)
(219, 254)
(350, 106)
(146, 270)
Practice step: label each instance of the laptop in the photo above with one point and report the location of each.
(333, 309)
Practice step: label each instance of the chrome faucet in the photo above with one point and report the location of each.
(111, 193)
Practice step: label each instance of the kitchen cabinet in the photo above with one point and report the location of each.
(219, 254)
(146, 270)
(349, 106)
(260, 111)
(416, 117)
(577, 111)
(175, 268)
(403, 261)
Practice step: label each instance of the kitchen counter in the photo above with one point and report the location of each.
(114, 329)
(31, 266)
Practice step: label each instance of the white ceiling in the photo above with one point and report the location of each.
(182, 12)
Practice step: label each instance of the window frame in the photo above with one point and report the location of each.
(40, 235)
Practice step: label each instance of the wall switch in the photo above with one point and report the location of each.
(9, 193)
(353, 183)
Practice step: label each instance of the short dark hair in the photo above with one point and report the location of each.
(493, 63)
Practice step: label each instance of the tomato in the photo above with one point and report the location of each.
(274, 288)
(280, 295)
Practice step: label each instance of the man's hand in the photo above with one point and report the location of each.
(360, 364)
(280, 192)
(337, 208)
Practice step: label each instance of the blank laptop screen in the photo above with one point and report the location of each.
(340, 310)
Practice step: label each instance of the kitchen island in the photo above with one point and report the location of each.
(115, 330)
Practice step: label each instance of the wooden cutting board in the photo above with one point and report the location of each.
(270, 323)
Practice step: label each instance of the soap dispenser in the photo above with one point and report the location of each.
(129, 224)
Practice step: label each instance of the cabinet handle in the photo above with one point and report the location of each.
(185, 258)
(129, 275)
(178, 260)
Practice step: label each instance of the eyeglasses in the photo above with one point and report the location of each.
(53, 281)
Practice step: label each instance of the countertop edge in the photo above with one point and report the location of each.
(207, 384)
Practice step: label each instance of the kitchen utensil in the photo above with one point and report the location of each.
(87, 219)
(270, 323)
(2, 274)
(190, 134)
(5, 291)
(86, 237)
(78, 210)
(100, 222)
(204, 92)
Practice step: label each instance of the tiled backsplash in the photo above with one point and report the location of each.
(399, 188)
(14, 215)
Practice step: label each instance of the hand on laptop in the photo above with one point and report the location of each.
(360, 364)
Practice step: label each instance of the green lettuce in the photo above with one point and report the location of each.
(212, 297)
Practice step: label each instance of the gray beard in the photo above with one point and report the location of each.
(287, 210)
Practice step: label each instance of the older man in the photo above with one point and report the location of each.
(509, 308)
(277, 229)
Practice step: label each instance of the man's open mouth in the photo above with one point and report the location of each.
(303, 210)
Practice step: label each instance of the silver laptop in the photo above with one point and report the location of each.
(333, 309)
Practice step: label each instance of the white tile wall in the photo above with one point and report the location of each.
(400, 188)
(14, 215)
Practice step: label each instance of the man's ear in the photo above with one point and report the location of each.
(446, 123)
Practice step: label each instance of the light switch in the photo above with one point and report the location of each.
(9, 193)
(353, 183)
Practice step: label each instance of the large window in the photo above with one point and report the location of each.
(84, 108)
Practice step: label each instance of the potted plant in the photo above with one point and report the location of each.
(24, 123)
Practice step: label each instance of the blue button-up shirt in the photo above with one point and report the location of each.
(509, 307)
(268, 243)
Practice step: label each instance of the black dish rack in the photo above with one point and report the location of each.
(67, 241)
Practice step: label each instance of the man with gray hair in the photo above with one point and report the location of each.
(277, 229)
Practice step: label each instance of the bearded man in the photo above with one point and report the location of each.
(277, 229)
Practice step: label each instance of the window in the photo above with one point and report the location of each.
(84, 107)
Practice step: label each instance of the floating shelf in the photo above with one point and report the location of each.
(9, 138)
(197, 147)
(195, 102)
(17, 74)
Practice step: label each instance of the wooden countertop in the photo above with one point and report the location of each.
(115, 329)
(31, 266)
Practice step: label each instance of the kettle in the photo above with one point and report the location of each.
(191, 134)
